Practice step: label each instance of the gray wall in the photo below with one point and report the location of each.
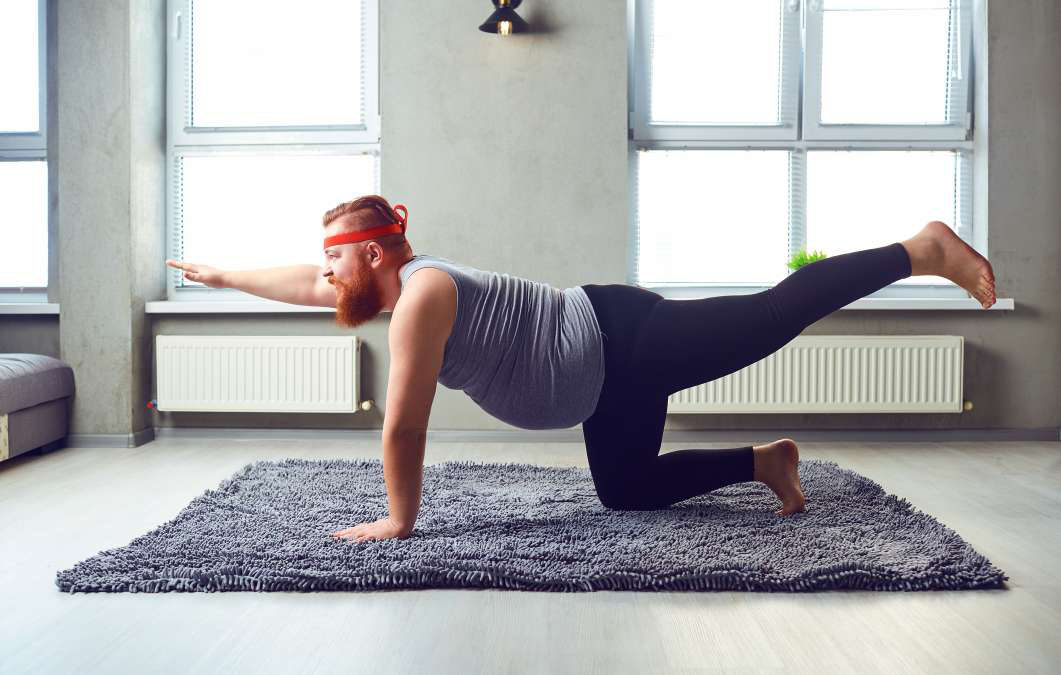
(109, 84)
(512, 155)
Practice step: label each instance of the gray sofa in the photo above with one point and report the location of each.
(35, 394)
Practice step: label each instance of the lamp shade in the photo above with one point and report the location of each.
(505, 13)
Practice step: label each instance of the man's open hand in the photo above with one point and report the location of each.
(384, 528)
(204, 274)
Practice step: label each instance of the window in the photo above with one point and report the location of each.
(767, 127)
(273, 120)
(23, 150)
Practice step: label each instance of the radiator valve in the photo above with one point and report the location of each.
(967, 406)
(367, 405)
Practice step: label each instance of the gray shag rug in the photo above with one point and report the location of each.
(527, 527)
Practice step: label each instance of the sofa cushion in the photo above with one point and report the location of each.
(29, 379)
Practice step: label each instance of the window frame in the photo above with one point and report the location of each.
(789, 75)
(31, 146)
(643, 136)
(957, 131)
(182, 140)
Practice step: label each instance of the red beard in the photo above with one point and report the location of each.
(359, 301)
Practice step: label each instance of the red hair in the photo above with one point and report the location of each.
(366, 213)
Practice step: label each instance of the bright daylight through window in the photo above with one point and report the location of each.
(23, 148)
(262, 140)
(765, 128)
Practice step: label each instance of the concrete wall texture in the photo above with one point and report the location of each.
(512, 155)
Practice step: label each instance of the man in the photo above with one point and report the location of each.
(360, 279)
(365, 247)
(606, 356)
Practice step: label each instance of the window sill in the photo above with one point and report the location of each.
(925, 296)
(928, 303)
(29, 307)
(906, 303)
(231, 307)
(268, 307)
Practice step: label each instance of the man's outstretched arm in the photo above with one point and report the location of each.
(293, 284)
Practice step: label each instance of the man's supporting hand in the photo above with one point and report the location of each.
(403, 471)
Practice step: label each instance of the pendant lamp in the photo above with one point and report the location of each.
(504, 20)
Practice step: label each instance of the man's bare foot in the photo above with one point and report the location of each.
(938, 250)
(777, 465)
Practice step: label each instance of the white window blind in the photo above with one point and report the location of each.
(868, 198)
(24, 214)
(719, 210)
(887, 69)
(255, 209)
(271, 63)
(724, 193)
(23, 150)
(717, 69)
(19, 67)
(273, 109)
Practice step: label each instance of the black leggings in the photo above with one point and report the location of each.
(655, 346)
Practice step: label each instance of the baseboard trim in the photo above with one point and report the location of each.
(574, 435)
(133, 440)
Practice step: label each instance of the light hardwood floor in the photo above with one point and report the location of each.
(59, 508)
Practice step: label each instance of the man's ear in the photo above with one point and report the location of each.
(373, 251)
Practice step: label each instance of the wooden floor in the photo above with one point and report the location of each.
(59, 508)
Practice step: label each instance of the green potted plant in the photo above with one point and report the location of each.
(802, 258)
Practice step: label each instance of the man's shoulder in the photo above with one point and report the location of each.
(428, 301)
(428, 281)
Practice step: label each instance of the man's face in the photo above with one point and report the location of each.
(358, 295)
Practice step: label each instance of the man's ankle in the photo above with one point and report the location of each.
(924, 255)
(758, 462)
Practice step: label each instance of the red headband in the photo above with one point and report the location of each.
(393, 228)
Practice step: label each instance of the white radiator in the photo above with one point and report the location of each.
(839, 374)
(229, 373)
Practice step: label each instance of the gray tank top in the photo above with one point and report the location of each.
(526, 352)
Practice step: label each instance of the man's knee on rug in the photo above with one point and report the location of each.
(624, 496)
